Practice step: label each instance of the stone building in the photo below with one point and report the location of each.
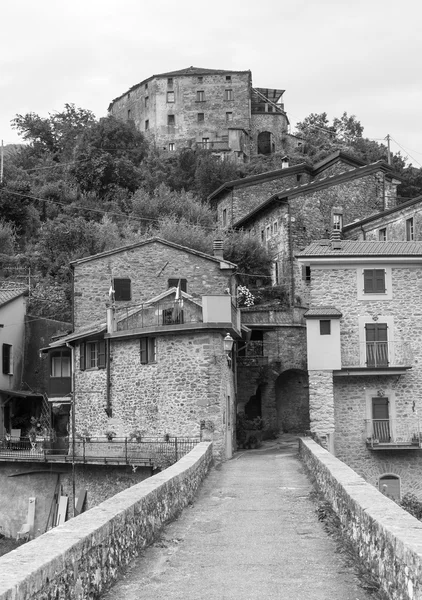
(364, 356)
(148, 344)
(213, 109)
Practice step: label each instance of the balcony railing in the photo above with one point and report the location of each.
(251, 354)
(147, 451)
(393, 433)
(214, 145)
(377, 355)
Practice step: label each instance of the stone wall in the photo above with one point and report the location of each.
(275, 123)
(82, 557)
(394, 224)
(321, 402)
(388, 539)
(148, 266)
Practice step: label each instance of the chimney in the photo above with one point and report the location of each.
(218, 249)
(285, 162)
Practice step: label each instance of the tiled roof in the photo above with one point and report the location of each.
(10, 294)
(384, 213)
(346, 248)
(323, 311)
(86, 331)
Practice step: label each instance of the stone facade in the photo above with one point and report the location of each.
(205, 108)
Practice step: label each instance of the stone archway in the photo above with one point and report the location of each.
(265, 143)
(292, 399)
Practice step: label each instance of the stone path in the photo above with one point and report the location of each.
(253, 532)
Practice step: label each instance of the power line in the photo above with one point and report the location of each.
(404, 150)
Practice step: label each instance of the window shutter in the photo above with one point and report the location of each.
(82, 356)
(101, 355)
(122, 289)
(379, 280)
(368, 281)
(152, 345)
(144, 350)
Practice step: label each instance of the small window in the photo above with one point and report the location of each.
(170, 81)
(146, 86)
(170, 96)
(148, 350)
(228, 77)
(92, 355)
(337, 221)
(268, 231)
(183, 283)
(205, 143)
(171, 120)
(200, 79)
(7, 359)
(146, 101)
(129, 115)
(262, 235)
(382, 234)
(306, 273)
(374, 281)
(409, 230)
(228, 94)
(229, 116)
(325, 327)
(201, 117)
(146, 125)
(122, 290)
(275, 227)
(224, 217)
(298, 177)
(200, 96)
(172, 147)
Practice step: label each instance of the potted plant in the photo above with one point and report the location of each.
(136, 436)
(110, 434)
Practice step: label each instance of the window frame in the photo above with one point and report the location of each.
(7, 359)
(171, 120)
(229, 116)
(224, 217)
(122, 287)
(382, 234)
(337, 221)
(200, 95)
(387, 294)
(228, 95)
(97, 351)
(147, 350)
(172, 147)
(410, 230)
(146, 124)
(201, 117)
(60, 354)
(170, 97)
(324, 326)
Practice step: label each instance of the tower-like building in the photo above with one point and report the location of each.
(212, 109)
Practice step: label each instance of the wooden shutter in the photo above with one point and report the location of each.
(82, 356)
(374, 281)
(175, 283)
(379, 277)
(101, 355)
(122, 289)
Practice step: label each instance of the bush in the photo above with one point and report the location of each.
(412, 504)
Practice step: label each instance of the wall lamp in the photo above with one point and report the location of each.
(227, 346)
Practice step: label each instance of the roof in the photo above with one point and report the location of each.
(337, 156)
(188, 71)
(10, 294)
(314, 186)
(83, 332)
(151, 241)
(384, 213)
(322, 311)
(349, 248)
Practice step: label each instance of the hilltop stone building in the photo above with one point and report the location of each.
(217, 110)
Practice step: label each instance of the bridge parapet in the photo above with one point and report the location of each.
(389, 539)
(80, 558)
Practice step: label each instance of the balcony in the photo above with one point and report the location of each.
(146, 451)
(251, 354)
(393, 434)
(171, 315)
(379, 358)
(216, 146)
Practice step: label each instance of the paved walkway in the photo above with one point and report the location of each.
(252, 533)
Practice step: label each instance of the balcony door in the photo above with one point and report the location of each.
(376, 345)
(381, 419)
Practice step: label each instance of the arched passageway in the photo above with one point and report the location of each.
(292, 399)
(265, 143)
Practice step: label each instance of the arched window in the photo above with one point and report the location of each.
(389, 485)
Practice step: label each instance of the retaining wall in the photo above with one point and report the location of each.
(80, 558)
(389, 540)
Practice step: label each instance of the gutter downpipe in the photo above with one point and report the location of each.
(72, 392)
(110, 329)
(292, 272)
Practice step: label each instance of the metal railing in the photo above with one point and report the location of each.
(403, 431)
(159, 314)
(149, 451)
(251, 354)
(377, 354)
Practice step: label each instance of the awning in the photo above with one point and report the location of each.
(20, 394)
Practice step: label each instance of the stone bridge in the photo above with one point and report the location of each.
(252, 531)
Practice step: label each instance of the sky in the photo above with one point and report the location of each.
(360, 56)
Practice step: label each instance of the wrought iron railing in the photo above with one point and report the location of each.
(252, 354)
(403, 431)
(377, 354)
(150, 451)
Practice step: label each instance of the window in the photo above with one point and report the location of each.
(381, 419)
(228, 94)
(173, 315)
(306, 273)
(122, 291)
(229, 116)
(205, 143)
(298, 177)
(200, 96)
(337, 221)
(268, 231)
(129, 115)
(146, 87)
(224, 217)
(325, 327)
(374, 281)
(201, 117)
(276, 276)
(389, 485)
(170, 96)
(172, 147)
(146, 125)
(92, 355)
(200, 79)
(382, 234)
(7, 356)
(170, 81)
(60, 363)
(146, 101)
(171, 120)
(175, 283)
(262, 235)
(376, 344)
(228, 77)
(148, 350)
(409, 230)
(275, 227)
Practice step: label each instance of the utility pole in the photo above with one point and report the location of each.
(1, 162)
(388, 149)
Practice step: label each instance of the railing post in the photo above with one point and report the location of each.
(175, 447)
(126, 450)
(83, 446)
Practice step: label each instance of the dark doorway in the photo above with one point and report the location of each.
(265, 145)
(292, 398)
(253, 408)
(381, 419)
